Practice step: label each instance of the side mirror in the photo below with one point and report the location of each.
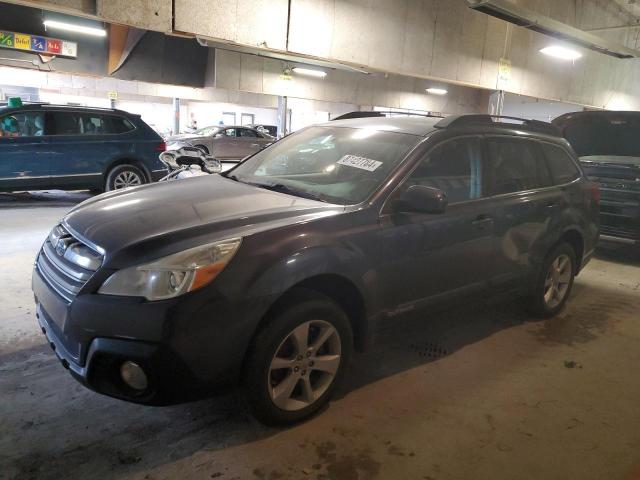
(211, 165)
(418, 198)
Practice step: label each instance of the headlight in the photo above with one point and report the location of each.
(173, 275)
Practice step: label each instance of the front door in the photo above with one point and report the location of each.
(225, 145)
(24, 151)
(428, 256)
(248, 141)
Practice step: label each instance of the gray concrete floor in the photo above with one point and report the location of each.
(481, 392)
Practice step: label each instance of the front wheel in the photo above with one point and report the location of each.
(123, 176)
(554, 282)
(297, 360)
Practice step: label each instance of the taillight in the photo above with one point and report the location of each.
(161, 147)
(595, 192)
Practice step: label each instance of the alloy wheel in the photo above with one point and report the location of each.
(305, 365)
(556, 284)
(126, 179)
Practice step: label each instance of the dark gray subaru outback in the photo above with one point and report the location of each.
(272, 273)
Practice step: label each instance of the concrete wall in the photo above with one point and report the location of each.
(440, 39)
(437, 39)
(250, 73)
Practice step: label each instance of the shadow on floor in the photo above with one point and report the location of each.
(619, 253)
(44, 198)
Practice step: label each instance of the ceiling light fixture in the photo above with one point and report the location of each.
(310, 72)
(71, 27)
(437, 91)
(563, 53)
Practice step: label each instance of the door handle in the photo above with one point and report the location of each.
(482, 220)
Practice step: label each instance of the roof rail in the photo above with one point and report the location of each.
(497, 120)
(376, 113)
(24, 102)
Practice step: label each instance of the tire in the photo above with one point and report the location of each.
(552, 289)
(122, 176)
(282, 383)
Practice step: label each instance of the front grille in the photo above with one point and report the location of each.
(66, 263)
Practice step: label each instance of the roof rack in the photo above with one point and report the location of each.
(497, 120)
(4, 103)
(374, 114)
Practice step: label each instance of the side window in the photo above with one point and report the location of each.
(230, 132)
(66, 123)
(563, 170)
(91, 124)
(22, 124)
(120, 125)
(516, 166)
(245, 132)
(455, 167)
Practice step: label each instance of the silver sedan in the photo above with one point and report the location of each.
(223, 142)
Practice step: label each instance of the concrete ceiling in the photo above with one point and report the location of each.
(631, 6)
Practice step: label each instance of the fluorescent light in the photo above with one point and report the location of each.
(310, 72)
(562, 53)
(437, 91)
(71, 27)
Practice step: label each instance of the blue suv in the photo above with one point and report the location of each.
(70, 148)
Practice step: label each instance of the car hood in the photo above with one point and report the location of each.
(179, 214)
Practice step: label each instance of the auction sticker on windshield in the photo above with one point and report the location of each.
(359, 162)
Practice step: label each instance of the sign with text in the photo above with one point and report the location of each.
(38, 44)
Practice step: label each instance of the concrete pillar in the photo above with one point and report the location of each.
(176, 116)
(283, 124)
(496, 103)
(112, 102)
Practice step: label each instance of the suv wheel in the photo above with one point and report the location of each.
(297, 359)
(123, 176)
(555, 281)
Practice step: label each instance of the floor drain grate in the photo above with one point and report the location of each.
(429, 349)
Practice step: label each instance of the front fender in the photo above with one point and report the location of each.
(343, 261)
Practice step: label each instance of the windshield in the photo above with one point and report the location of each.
(333, 164)
(207, 131)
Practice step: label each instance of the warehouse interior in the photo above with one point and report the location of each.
(475, 388)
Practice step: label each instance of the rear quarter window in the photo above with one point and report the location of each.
(120, 125)
(562, 167)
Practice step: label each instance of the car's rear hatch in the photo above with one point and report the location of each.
(608, 144)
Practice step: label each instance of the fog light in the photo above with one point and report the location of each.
(133, 375)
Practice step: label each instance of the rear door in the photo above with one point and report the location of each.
(24, 151)
(528, 206)
(83, 144)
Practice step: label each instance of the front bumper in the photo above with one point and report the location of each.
(184, 345)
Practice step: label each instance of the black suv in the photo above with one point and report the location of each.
(274, 271)
(608, 146)
(46, 146)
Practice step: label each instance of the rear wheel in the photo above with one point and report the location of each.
(297, 360)
(123, 176)
(554, 282)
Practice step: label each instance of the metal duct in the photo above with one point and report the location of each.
(522, 17)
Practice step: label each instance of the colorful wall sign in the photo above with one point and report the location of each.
(38, 44)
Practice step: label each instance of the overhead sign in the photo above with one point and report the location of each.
(38, 44)
(504, 74)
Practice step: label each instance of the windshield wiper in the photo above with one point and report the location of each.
(279, 187)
